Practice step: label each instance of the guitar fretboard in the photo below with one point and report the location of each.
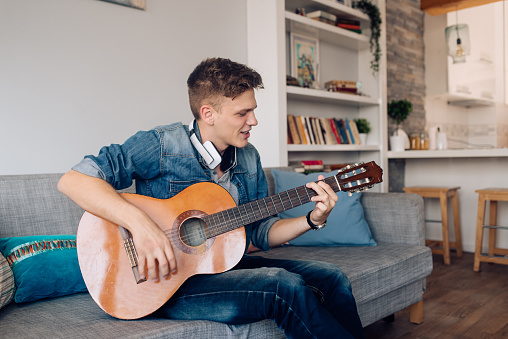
(233, 218)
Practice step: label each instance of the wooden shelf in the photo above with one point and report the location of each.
(325, 32)
(450, 153)
(335, 8)
(331, 148)
(321, 96)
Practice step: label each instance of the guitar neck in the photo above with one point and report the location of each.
(236, 217)
(352, 178)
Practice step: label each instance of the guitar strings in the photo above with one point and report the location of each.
(295, 198)
(216, 228)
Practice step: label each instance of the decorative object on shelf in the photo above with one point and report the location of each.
(304, 60)
(363, 127)
(372, 11)
(441, 140)
(138, 4)
(399, 110)
(292, 81)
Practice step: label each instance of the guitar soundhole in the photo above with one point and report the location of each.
(189, 232)
(193, 232)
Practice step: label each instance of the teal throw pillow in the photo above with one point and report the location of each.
(346, 225)
(43, 266)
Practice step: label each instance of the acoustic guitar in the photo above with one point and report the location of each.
(205, 229)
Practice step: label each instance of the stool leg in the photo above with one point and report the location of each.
(492, 231)
(456, 223)
(446, 234)
(479, 232)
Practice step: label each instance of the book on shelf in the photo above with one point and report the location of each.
(329, 17)
(293, 131)
(348, 26)
(356, 134)
(344, 86)
(307, 130)
(348, 21)
(350, 131)
(304, 137)
(312, 165)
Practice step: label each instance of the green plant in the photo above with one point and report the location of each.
(372, 11)
(363, 125)
(399, 110)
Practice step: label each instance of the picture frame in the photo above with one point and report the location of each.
(138, 4)
(305, 60)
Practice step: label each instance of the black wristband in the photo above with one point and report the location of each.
(311, 224)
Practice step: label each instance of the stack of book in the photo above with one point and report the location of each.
(305, 130)
(343, 86)
(323, 17)
(351, 25)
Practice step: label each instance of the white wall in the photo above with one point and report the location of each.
(79, 74)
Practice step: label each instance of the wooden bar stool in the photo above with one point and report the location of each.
(443, 193)
(493, 195)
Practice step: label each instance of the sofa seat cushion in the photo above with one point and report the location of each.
(77, 316)
(373, 271)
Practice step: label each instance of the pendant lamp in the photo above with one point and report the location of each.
(457, 41)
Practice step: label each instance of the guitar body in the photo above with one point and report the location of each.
(106, 268)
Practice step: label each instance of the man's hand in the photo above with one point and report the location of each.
(325, 201)
(155, 253)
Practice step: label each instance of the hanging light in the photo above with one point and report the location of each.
(457, 40)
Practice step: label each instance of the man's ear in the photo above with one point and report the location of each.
(207, 114)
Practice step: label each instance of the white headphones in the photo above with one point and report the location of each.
(207, 150)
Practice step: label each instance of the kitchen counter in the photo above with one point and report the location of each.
(451, 153)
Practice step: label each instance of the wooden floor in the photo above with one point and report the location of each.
(458, 303)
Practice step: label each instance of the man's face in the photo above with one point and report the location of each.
(234, 120)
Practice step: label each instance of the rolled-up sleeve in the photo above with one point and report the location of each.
(139, 157)
(261, 229)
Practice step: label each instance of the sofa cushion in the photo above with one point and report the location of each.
(43, 266)
(346, 225)
(374, 271)
(7, 286)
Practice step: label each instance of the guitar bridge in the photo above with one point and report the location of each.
(131, 253)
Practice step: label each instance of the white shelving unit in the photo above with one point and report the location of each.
(343, 55)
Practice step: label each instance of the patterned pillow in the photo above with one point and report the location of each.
(44, 266)
(7, 287)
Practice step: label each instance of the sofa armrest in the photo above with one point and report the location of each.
(395, 217)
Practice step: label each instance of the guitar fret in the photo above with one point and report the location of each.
(274, 205)
(259, 209)
(267, 209)
(281, 202)
(298, 196)
(287, 192)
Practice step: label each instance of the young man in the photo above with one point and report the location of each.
(305, 299)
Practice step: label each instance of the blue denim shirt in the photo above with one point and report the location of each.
(163, 162)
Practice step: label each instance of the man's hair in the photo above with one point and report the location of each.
(216, 78)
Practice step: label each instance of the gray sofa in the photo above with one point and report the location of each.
(385, 278)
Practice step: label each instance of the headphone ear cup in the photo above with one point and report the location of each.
(207, 151)
(212, 151)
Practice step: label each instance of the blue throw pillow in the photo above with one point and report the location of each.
(43, 266)
(346, 225)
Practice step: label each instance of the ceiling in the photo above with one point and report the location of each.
(438, 7)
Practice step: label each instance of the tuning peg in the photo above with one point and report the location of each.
(349, 193)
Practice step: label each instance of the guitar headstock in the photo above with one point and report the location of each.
(359, 177)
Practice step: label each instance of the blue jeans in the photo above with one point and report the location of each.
(306, 299)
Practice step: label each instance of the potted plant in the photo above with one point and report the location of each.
(398, 111)
(363, 127)
(367, 7)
